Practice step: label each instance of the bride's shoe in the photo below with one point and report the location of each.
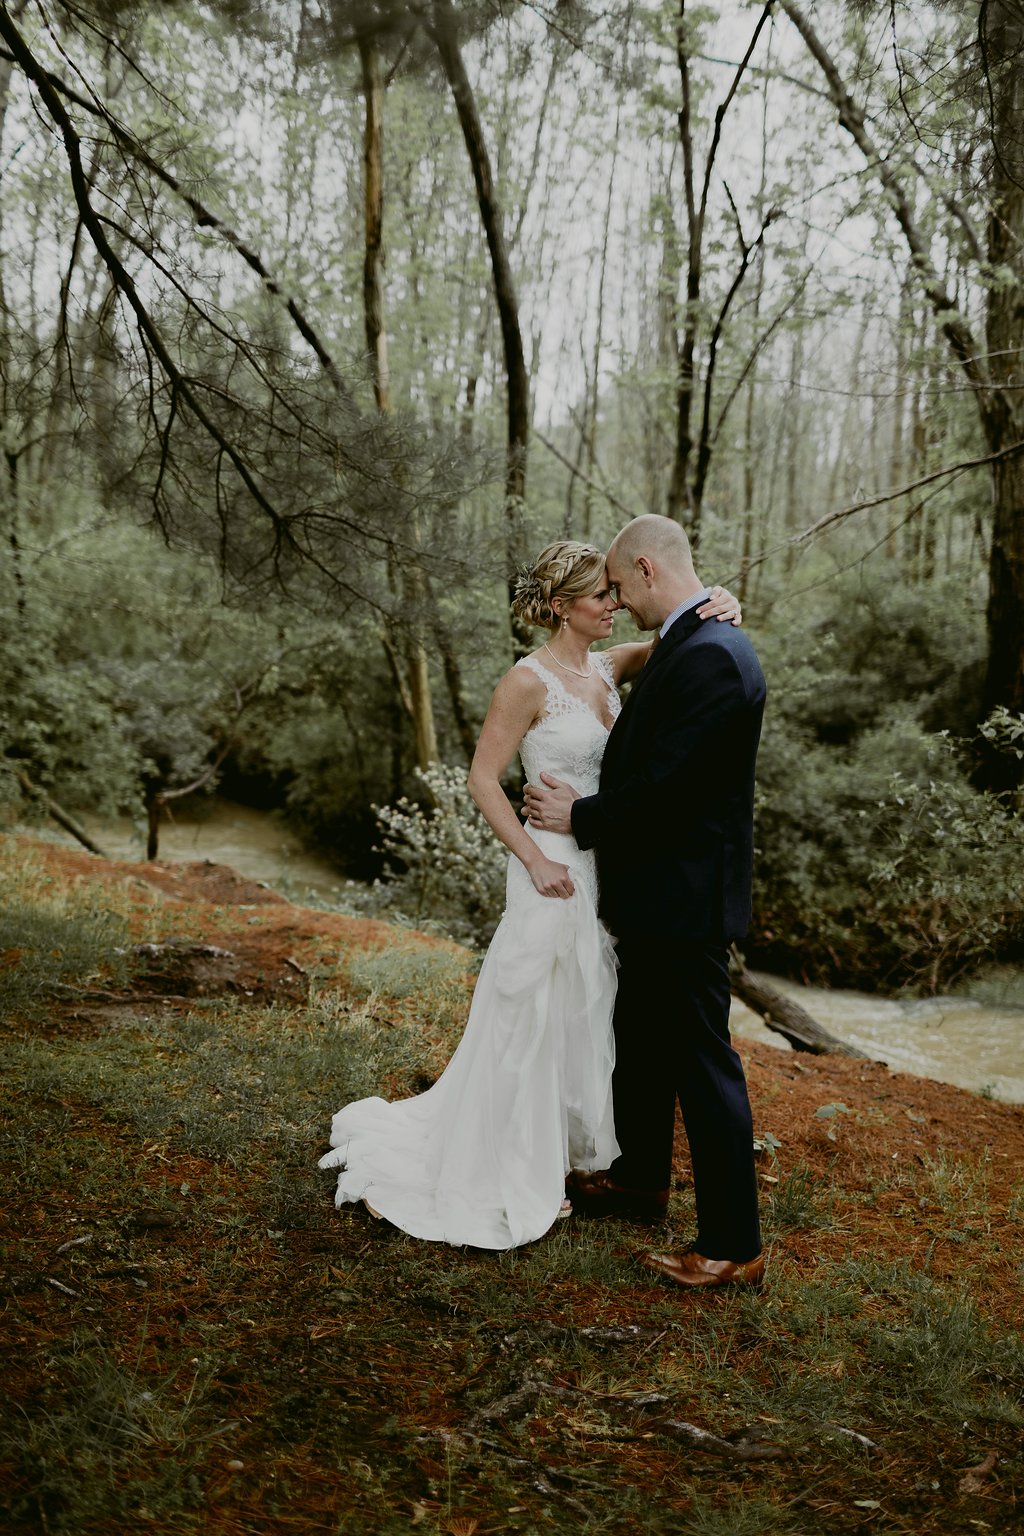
(565, 1209)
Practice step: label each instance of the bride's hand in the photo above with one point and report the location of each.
(549, 878)
(721, 605)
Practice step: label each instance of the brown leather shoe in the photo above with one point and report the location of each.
(598, 1194)
(694, 1270)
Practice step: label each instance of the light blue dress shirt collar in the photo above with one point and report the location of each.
(691, 602)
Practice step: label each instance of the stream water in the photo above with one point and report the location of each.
(255, 843)
(975, 1041)
(977, 1045)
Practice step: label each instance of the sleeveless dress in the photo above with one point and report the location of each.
(481, 1157)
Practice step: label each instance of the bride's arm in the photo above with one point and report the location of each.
(517, 702)
(628, 660)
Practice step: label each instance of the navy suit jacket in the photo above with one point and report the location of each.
(672, 821)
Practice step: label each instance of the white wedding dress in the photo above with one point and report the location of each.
(481, 1157)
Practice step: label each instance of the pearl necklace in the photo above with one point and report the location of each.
(574, 670)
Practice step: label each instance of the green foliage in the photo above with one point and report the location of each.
(879, 863)
(110, 691)
(871, 870)
(1005, 731)
(320, 733)
(947, 882)
(58, 718)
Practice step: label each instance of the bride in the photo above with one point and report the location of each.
(481, 1157)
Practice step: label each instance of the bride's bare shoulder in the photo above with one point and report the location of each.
(522, 683)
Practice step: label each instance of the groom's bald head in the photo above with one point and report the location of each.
(650, 567)
(661, 540)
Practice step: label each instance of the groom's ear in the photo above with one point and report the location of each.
(645, 568)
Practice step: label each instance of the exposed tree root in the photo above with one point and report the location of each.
(747, 1445)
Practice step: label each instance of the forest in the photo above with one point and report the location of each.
(319, 317)
(318, 320)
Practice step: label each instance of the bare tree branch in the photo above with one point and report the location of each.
(952, 321)
(204, 216)
(950, 471)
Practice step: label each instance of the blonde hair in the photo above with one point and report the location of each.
(565, 570)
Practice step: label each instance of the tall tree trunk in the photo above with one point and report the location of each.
(418, 670)
(849, 421)
(373, 220)
(748, 492)
(1002, 46)
(416, 694)
(678, 504)
(794, 443)
(686, 491)
(918, 468)
(445, 35)
(9, 486)
(594, 393)
(453, 678)
(897, 449)
(749, 478)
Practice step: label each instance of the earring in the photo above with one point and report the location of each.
(565, 623)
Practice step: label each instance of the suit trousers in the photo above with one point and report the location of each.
(672, 1041)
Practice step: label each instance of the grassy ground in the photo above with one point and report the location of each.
(196, 1341)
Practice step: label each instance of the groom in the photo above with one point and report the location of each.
(672, 826)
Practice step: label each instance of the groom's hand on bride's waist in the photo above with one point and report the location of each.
(549, 804)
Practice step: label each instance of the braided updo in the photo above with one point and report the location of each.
(565, 570)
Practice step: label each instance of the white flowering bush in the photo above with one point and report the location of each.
(445, 863)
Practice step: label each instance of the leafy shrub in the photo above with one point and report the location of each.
(59, 723)
(319, 735)
(947, 884)
(881, 865)
(447, 862)
(109, 686)
(1005, 731)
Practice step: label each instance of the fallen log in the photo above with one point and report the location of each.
(62, 817)
(783, 1015)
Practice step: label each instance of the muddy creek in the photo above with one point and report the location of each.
(255, 843)
(977, 1045)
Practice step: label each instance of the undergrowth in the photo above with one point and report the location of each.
(197, 1342)
(52, 937)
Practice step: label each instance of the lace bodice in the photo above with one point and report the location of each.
(569, 740)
